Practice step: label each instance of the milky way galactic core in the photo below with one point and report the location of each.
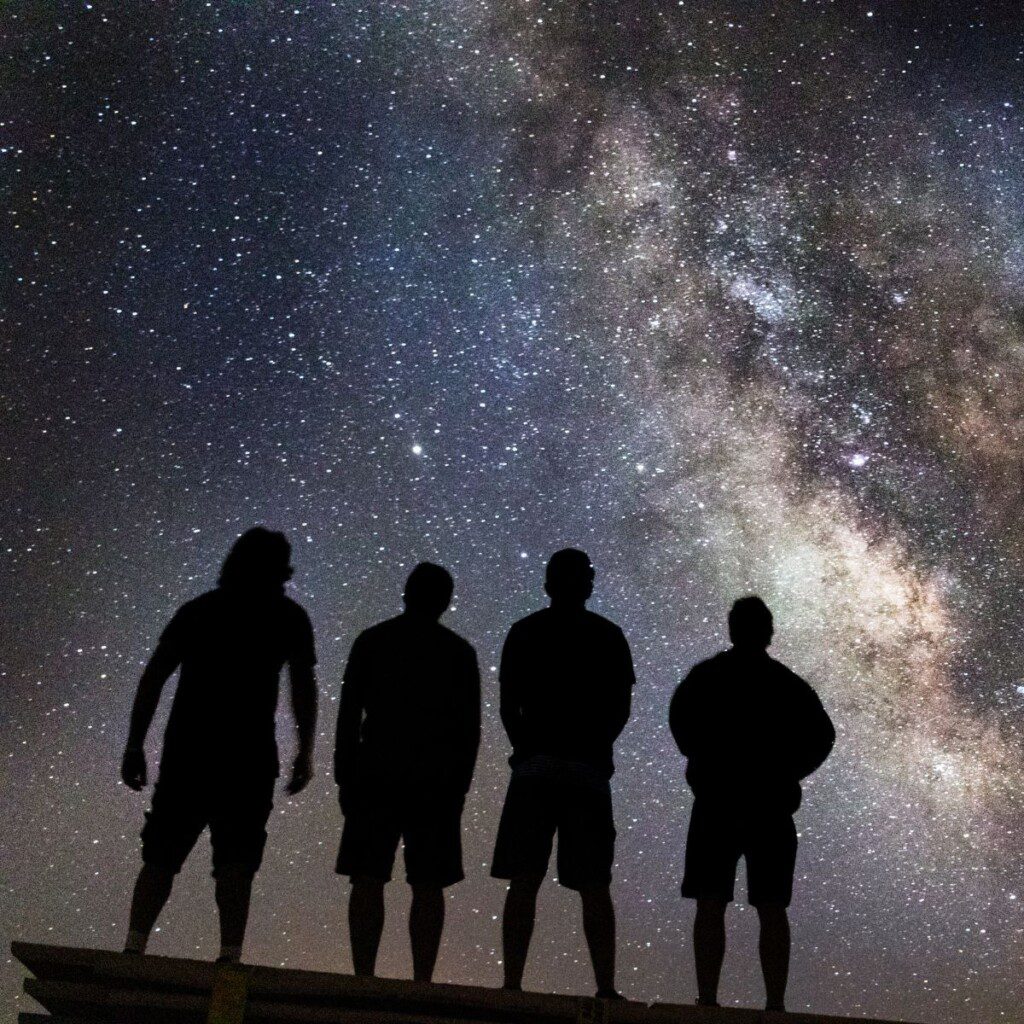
(732, 297)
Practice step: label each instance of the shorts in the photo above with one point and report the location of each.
(430, 830)
(716, 841)
(538, 807)
(237, 817)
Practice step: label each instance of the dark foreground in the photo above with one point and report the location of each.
(79, 985)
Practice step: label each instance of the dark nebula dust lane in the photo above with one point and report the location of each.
(730, 296)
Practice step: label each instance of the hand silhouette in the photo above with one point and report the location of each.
(133, 768)
(302, 771)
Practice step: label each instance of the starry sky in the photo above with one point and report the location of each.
(730, 295)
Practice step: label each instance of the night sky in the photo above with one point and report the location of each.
(730, 296)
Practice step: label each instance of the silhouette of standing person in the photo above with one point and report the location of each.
(408, 735)
(750, 730)
(566, 688)
(219, 758)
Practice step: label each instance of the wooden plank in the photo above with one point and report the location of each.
(458, 1002)
(45, 1018)
(105, 983)
(98, 1002)
(295, 1013)
(158, 972)
(230, 991)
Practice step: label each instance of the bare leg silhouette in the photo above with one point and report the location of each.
(517, 927)
(774, 950)
(233, 892)
(599, 929)
(365, 923)
(152, 889)
(426, 922)
(709, 948)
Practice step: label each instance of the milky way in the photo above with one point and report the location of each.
(732, 297)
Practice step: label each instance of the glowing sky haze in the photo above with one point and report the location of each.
(730, 296)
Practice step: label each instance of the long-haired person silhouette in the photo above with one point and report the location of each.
(750, 730)
(408, 734)
(219, 759)
(566, 689)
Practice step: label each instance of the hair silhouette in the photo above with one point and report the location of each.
(750, 623)
(428, 590)
(259, 558)
(569, 576)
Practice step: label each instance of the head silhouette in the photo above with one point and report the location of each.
(428, 590)
(259, 559)
(570, 577)
(750, 624)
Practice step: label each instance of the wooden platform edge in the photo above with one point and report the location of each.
(100, 984)
(45, 1018)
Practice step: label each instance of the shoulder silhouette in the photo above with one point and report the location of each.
(231, 644)
(750, 728)
(566, 674)
(410, 704)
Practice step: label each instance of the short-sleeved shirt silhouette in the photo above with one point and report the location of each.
(750, 729)
(566, 680)
(409, 717)
(232, 645)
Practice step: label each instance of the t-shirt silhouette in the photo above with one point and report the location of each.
(566, 681)
(409, 715)
(231, 644)
(750, 729)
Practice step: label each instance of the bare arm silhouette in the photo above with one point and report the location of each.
(681, 719)
(623, 680)
(350, 720)
(510, 680)
(304, 705)
(160, 668)
(817, 734)
(469, 725)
